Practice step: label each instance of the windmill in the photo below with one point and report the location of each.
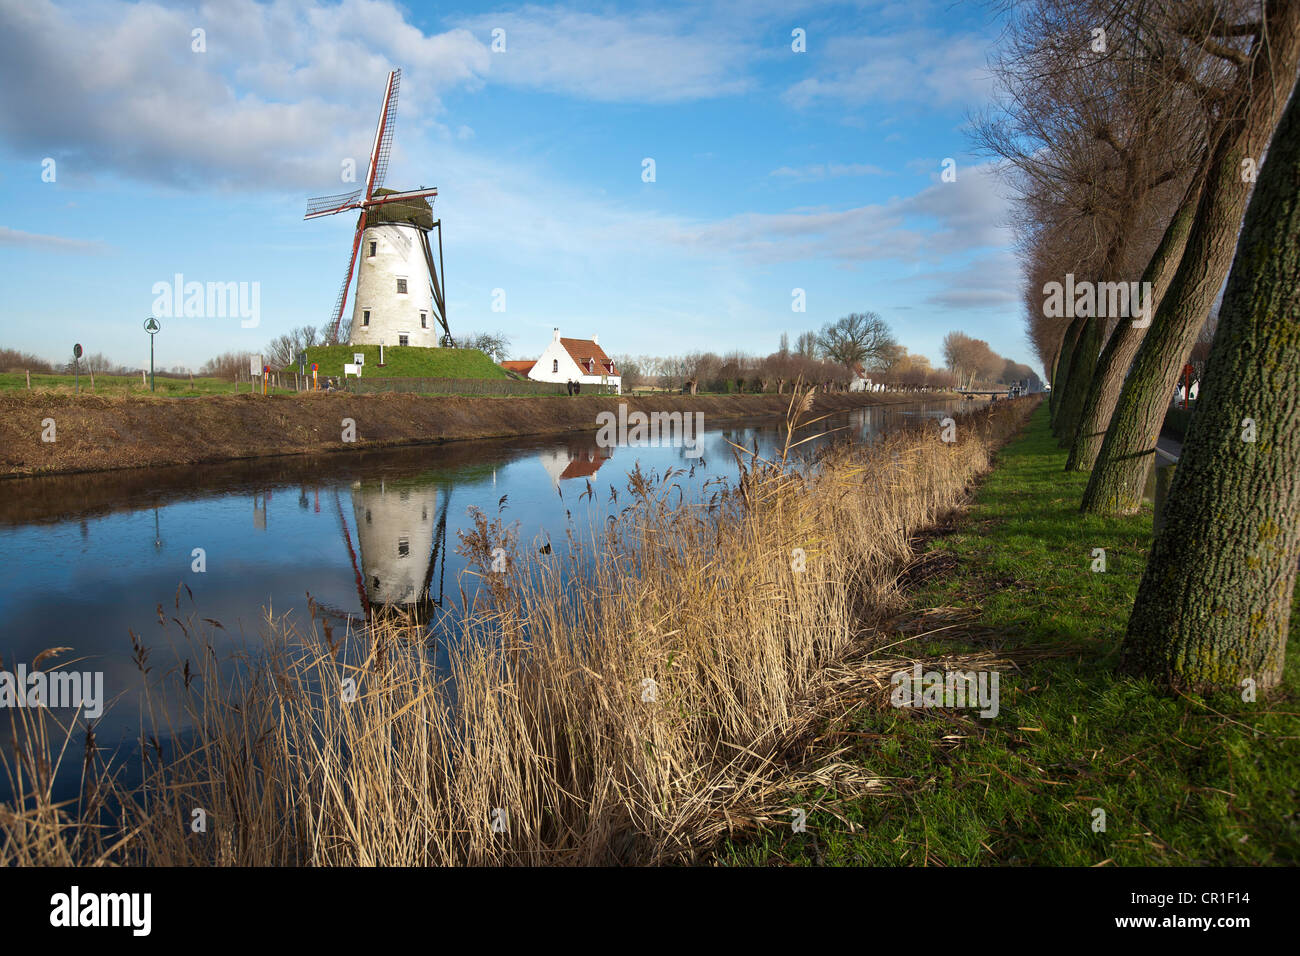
(392, 304)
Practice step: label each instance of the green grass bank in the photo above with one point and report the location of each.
(406, 362)
(1182, 780)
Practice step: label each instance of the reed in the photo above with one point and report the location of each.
(626, 699)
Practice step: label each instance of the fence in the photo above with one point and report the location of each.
(464, 386)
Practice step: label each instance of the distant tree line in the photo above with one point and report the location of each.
(860, 343)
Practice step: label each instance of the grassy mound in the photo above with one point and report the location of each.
(408, 361)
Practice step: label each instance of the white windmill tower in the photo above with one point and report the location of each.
(399, 297)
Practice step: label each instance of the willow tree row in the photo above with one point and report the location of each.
(1135, 134)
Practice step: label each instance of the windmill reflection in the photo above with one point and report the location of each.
(401, 544)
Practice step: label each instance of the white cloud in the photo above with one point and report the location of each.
(911, 66)
(643, 58)
(944, 219)
(283, 93)
(15, 237)
(819, 171)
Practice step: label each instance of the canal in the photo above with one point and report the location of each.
(95, 563)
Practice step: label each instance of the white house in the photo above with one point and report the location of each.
(861, 383)
(576, 360)
(577, 460)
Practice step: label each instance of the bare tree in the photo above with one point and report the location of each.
(495, 345)
(856, 340)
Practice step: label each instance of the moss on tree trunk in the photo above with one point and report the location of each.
(1215, 600)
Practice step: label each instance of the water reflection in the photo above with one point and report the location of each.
(579, 457)
(93, 560)
(402, 535)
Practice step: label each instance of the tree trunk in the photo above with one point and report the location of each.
(1052, 381)
(1123, 344)
(1063, 370)
(1253, 108)
(1214, 604)
(1083, 359)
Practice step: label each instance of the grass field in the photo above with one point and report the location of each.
(407, 362)
(399, 363)
(123, 385)
(1181, 780)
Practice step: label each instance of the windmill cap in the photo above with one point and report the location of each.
(413, 212)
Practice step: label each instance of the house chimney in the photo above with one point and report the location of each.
(555, 337)
(595, 340)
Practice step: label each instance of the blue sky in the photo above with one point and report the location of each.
(774, 170)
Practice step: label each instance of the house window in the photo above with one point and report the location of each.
(555, 365)
(365, 317)
(403, 547)
(401, 287)
(424, 319)
(373, 246)
(403, 340)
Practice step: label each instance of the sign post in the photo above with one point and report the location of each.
(76, 364)
(314, 367)
(151, 326)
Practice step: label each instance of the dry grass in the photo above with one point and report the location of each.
(544, 720)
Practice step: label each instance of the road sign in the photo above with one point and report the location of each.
(358, 358)
(255, 365)
(151, 325)
(76, 350)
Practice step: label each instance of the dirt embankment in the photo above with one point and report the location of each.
(95, 433)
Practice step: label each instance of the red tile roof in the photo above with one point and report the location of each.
(522, 366)
(582, 349)
(582, 469)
